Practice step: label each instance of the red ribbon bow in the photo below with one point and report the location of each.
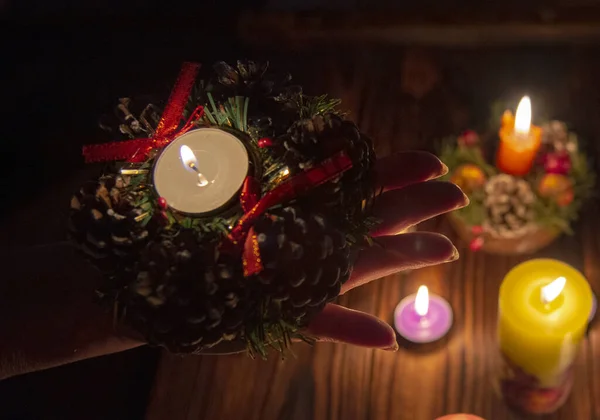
(243, 234)
(137, 150)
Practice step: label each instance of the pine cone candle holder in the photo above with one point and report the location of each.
(518, 214)
(237, 217)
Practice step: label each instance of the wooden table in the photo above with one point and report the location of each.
(340, 382)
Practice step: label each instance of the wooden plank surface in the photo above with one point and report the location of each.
(409, 108)
(443, 25)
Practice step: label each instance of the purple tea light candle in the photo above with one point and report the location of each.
(423, 318)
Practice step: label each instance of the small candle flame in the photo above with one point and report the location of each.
(553, 290)
(188, 158)
(523, 116)
(422, 301)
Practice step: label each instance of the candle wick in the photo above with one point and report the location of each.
(202, 180)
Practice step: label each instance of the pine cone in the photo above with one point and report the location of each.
(310, 141)
(186, 296)
(103, 222)
(508, 202)
(132, 119)
(306, 261)
(251, 79)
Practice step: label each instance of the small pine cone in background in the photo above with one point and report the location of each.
(556, 138)
(306, 261)
(508, 202)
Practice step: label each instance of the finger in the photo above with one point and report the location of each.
(459, 417)
(408, 206)
(406, 168)
(342, 325)
(401, 252)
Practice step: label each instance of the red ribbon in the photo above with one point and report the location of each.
(249, 194)
(137, 150)
(243, 234)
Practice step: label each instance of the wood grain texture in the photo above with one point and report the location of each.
(339, 382)
(445, 24)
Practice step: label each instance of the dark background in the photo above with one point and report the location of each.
(64, 63)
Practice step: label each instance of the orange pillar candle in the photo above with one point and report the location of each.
(519, 140)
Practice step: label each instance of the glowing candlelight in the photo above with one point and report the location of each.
(523, 116)
(423, 318)
(553, 290)
(422, 301)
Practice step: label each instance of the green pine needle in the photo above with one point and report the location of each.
(212, 119)
(214, 108)
(246, 102)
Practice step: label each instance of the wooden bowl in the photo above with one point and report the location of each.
(527, 244)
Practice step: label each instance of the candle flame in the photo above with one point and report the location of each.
(188, 158)
(523, 116)
(553, 290)
(422, 301)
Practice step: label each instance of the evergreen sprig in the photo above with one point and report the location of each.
(233, 113)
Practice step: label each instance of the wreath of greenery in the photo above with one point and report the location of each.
(548, 213)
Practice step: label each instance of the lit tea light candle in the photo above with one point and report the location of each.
(544, 309)
(201, 171)
(423, 318)
(519, 140)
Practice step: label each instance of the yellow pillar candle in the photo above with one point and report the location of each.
(543, 315)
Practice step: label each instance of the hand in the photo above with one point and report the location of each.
(407, 200)
(47, 313)
(49, 319)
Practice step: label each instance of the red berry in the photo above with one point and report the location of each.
(476, 244)
(468, 138)
(557, 163)
(162, 203)
(265, 142)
